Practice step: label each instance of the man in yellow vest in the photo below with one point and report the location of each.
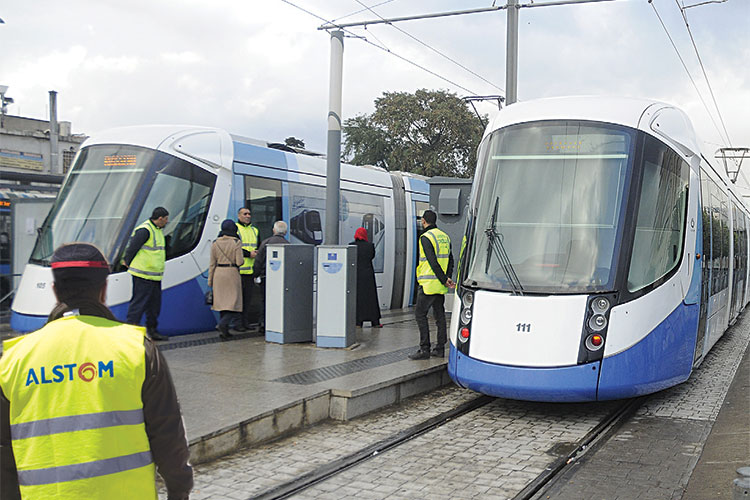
(145, 257)
(433, 275)
(249, 236)
(88, 408)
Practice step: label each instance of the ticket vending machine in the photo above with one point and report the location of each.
(289, 293)
(337, 295)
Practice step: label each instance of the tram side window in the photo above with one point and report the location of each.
(706, 219)
(185, 191)
(263, 198)
(720, 235)
(660, 225)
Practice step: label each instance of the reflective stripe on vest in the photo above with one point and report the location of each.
(425, 275)
(76, 413)
(148, 263)
(249, 236)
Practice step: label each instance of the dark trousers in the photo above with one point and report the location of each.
(247, 296)
(262, 290)
(437, 302)
(146, 299)
(226, 318)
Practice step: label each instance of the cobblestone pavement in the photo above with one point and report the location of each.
(492, 452)
(653, 455)
(495, 451)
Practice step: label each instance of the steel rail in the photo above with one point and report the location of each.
(323, 472)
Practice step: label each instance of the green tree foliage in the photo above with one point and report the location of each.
(294, 142)
(428, 132)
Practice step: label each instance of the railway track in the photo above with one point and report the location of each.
(599, 434)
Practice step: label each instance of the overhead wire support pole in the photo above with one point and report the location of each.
(511, 54)
(560, 2)
(328, 26)
(333, 153)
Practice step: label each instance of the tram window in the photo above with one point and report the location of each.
(661, 216)
(87, 208)
(263, 198)
(185, 191)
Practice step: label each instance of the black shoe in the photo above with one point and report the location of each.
(239, 328)
(420, 354)
(154, 335)
(438, 352)
(225, 335)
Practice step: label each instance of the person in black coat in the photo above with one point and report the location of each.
(368, 306)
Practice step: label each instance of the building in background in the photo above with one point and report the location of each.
(35, 155)
(29, 145)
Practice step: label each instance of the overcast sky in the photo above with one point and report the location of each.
(259, 68)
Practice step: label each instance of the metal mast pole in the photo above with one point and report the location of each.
(333, 154)
(511, 54)
(54, 162)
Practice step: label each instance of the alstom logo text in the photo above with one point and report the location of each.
(60, 373)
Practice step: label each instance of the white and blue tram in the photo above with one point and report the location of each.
(203, 176)
(605, 253)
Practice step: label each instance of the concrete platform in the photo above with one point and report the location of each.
(248, 391)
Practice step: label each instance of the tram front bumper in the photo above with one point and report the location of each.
(561, 384)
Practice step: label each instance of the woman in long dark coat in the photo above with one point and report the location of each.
(368, 305)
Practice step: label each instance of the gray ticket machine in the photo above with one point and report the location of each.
(289, 293)
(337, 295)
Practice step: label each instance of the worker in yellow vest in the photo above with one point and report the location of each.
(88, 408)
(433, 275)
(250, 241)
(145, 258)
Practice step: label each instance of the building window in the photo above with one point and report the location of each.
(68, 156)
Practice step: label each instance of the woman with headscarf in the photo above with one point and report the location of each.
(224, 276)
(368, 306)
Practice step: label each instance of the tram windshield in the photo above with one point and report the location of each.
(113, 188)
(552, 194)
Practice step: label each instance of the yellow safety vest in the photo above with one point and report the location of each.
(148, 263)
(425, 276)
(76, 414)
(249, 237)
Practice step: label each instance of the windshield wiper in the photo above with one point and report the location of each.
(495, 244)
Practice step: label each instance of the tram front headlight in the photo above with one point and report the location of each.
(468, 299)
(598, 322)
(466, 315)
(600, 305)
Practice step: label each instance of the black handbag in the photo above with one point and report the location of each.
(209, 297)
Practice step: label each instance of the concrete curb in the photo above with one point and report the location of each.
(336, 404)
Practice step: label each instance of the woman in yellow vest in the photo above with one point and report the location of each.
(145, 258)
(88, 408)
(433, 275)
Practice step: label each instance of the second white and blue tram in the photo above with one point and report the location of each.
(203, 176)
(605, 253)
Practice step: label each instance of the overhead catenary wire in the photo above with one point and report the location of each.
(362, 10)
(710, 115)
(703, 69)
(432, 48)
(385, 49)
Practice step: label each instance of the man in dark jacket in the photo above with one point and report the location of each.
(259, 266)
(109, 428)
(434, 277)
(145, 258)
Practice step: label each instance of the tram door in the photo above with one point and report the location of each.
(705, 271)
